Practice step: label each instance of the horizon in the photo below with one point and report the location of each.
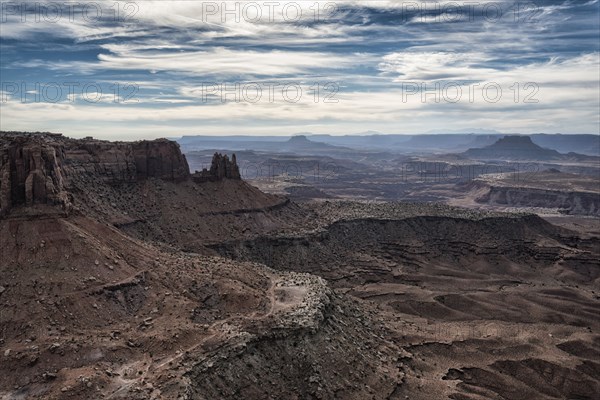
(297, 134)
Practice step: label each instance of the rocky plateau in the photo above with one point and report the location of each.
(125, 276)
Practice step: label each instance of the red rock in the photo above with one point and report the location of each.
(221, 168)
(39, 168)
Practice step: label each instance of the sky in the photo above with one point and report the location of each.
(147, 69)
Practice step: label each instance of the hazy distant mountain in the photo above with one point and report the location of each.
(301, 141)
(374, 141)
(483, 140)
(301, 144)
(368, 133)
(583, 144)
(436, 142)
(519, 148)
(478, 131)
(280, 144)
(421, 143)
(447, 142)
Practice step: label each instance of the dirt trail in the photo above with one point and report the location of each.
(282, 295)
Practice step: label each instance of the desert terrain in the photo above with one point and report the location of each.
(126, 274)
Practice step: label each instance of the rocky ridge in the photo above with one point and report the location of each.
(101, 303)
(573, 203)
(547, 192)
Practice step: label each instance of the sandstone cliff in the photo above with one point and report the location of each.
(31, 173)
(552, 190)
(41, 168)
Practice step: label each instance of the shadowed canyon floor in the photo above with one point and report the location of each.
(122, 277)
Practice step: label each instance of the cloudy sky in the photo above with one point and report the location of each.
(149, 69)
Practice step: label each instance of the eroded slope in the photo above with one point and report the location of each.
(489, 305)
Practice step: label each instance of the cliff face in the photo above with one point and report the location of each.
(31, 173)
(582, 203)
(126, 162)
(160, 159)
(42, 168)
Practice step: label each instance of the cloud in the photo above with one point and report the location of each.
(370, 48)
(223, 61)
(388, 110)
(475, 66)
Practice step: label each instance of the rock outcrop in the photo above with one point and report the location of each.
(160, 159)
(118, 162)
(221, 168)
(41, 168)
(31, 173)
(549, 191)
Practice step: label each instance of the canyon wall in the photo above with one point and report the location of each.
(40, 168)
(31, 173)
(572, 202)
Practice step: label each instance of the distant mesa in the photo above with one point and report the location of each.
(402, 143)
(300, 143)
(515, 142)
(513, 148)
(299, 139)
(221, 168)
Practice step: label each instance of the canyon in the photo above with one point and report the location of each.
(125, 275)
